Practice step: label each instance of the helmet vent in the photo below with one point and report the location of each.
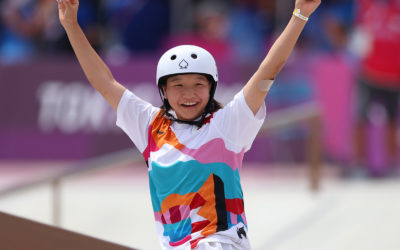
(194, 56)
(173, 57)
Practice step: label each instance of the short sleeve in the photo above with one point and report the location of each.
(134, 116)
(237, 123)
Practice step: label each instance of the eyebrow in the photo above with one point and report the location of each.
(174, 79)
(201, 78)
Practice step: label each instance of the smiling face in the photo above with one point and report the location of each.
(188, 95)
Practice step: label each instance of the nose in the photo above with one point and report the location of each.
(188, 91)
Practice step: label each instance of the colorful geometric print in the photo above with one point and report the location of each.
(186, 177)
(206, 211)
(160, 133)
(197, 197)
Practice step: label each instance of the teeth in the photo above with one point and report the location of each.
(189, 103)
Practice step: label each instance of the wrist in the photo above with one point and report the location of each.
(300, 14)
(70, 25)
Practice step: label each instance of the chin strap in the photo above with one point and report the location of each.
(197, 123)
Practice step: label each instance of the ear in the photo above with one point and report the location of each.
(164, 89)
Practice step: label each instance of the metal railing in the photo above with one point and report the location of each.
(309, 114)
(306, 113)
(129, 156)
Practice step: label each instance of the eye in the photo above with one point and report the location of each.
(194, 56)
(173, 57)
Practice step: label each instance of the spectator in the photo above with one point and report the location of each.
(334, 22)
(379, 83)
(139, 25)
(247, 42)
(91, 17)
(32, 27)
(15, 16)
(210, 31)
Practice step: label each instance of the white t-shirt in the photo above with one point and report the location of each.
(194, 172)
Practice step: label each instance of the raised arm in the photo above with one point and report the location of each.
(258, 86)
(98, 74)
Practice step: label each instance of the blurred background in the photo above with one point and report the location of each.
(322, 174)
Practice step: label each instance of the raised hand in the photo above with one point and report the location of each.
(307, 7)
(68, 11)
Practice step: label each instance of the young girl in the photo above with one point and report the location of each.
(192, 146)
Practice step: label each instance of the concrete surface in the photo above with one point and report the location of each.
(282, 213)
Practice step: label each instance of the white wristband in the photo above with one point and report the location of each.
(298, 14)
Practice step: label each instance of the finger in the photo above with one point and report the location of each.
(71, 2)
(74, 3)
(68, 4)
(60, 4)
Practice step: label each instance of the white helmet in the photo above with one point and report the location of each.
(186, 59)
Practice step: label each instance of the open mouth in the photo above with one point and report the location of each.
(189, 104)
